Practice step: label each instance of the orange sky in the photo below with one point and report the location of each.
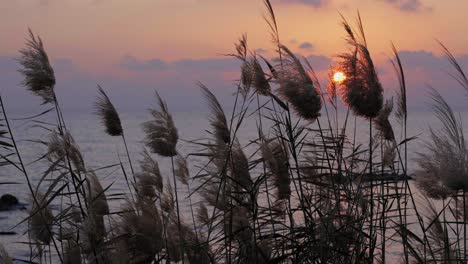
(96, 33)
(136, 46)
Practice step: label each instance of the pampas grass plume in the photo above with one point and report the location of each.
(108, 114)
(161, 133)
(298, 88)
(38, 74)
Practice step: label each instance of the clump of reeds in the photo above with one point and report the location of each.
(41, 221)
(276, 157)
(94, 228)
(333, 217)
(443, 167)
(150, 178)
(142, 229)
(62, 147)
(252, 74)
(382, 123)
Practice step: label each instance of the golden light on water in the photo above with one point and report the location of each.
(339, 77)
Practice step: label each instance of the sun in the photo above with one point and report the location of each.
(339, 77)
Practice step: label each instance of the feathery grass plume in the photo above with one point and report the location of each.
(197, 252)
(361, 90)
(61, 147)
(4, 257)
(143, 232)
(389, 154)
(202, 215)
(276, 157)
(246, 78)
(41, 220)
(215, 196)
(270, 19)
(259, 81)
(92, 238)
(310, 168)
(167, 202)
(72, 252)
(459, 75)
(246, 73)
(218, 119)
(150, 178)
(297, 87)
(94, 228)
(331, 90)
(381, 122)
(146, 186)
(174, 240)
(240, 168)
(444, 164)
(438, 237)
(181, 170)
(108, 114)
(402, 111)
(161, 133)
(241, 229)
(38, 74)
(97, 199)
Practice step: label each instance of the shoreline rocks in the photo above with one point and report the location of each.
(9, 202)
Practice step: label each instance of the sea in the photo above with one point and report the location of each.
(100, 150)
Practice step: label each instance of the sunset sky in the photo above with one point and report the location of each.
(132, 47)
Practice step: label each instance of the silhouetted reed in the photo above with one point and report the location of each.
(297, 88)
(443, 164)
(38, 74)
(361, 90)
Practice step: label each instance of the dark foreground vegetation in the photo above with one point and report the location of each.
(307, 194)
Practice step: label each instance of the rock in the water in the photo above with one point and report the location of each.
(8, 202)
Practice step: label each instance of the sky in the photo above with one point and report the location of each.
(132, 48)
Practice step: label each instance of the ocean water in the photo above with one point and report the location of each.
(101, 150)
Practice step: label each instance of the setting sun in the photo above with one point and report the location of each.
(339, 77)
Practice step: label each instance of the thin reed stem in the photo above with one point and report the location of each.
(182, 246)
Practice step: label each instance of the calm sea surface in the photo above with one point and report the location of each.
(101, 150)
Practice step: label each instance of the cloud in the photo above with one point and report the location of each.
(407, 5)
(193, 65)
(314, 3)
(217, 65)
(423, 68)
(131, 82)
(131, 63)
(319, 62)
(306, 46)
(261, 51)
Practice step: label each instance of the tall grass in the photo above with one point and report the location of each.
(302, 191)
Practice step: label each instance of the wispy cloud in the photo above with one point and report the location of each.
(131, 63)
(261, 51)
(134, 80)
(306, 46)
(408, 5)
(314, 3)
(185, 65)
